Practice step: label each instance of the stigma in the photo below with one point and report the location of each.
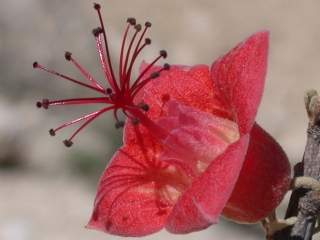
(119, 89)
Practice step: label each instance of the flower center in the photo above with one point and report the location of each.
(121, 90)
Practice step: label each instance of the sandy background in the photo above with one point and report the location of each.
(46, 190)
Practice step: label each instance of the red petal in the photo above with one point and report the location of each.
(263, 181)
(203, 202)
(191, 86)
(240, 75)
(128, 200)
(195, 138)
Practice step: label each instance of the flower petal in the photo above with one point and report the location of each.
(195, 138)
(128, 200)
(239, 75)
(263, 181)
(191, 86)
(203, 202)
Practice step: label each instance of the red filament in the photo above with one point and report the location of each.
(119, 92)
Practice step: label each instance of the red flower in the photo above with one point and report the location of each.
(210, 157)
(192, 150)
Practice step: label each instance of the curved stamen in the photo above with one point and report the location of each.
(68, 142)
(53, 131)
(134, 57)
(97, 7)
(37, 65)
(131, 22)
(120, 95)
(124, 76)
(119, 123)
(103, 62)
(163, 54)
(137, 50)
(68, 57)
(135, 89)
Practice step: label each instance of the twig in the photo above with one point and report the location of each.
(305, 204)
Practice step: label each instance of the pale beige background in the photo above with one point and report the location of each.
(43, 199)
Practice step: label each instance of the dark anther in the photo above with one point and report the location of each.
(45, 103)
(155, 75)
(97, 31)
(119, 124)
(67, 143)
(135, 121)
(147, 41)
(67, 56)
(163, 53)
(35, 64)
(97, 6)
(166, 66)
(138, 27)
(132, 21)
(144, 107)
(109, 91)
(39, 104)
(148, 24)
(52, 132)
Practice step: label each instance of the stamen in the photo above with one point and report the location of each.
(166, 66)
(86, 123)
(137, 87)
(67, 143)
(37, 65)
(105, 67)
(163, 54)
(52, 132)
(130, 21)
(120, 95)
(68, 56)
(87, 116)
(39, 104)
(44, 103)
(97, 7)
(80, 101)
(124, 73)
(137, 51)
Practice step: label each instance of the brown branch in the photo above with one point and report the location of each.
(304, 203)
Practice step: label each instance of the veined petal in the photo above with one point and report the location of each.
(202, 203)
(191, 86)
(239, 75)
(195, 138)
(263, 181)
(125, 203)
(136, 192)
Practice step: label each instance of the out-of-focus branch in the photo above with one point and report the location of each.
(304, 203)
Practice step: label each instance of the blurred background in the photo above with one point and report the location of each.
(47, 190)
